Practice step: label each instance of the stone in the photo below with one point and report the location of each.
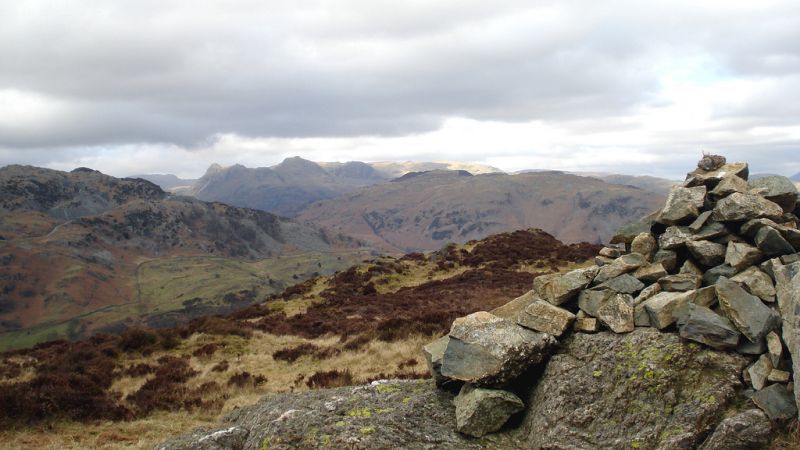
(711, 162)
(545, 317)
(590, 301)
(752, 348)
(712, 230)
(646, 293)
(751, 227)
(601, 261)
(789, 259)
(644, 244)
(434, 352)
(740, 255)
(641, 318)
(778, 189)
(707, 327)
(752, 317)
(667, 258)
(482, 411)
(759, 371)
(623, 391)
(711, 178)
(707, 253)
(661, 306)
(772, 243)
(787, 287)
(489, 351)
(682, 204)
(757, 283)
(681, 282)
(674, 237)
(610, 252)
(690, 268)
(728, 185)
(792, 236)
(624, 284)
(705, 297)
(650, 273)
(776, 401)
(563, 288)
(701, 220)
(587, 325)
(779, 376)
(617, 313)
(512, 309)
(713, 274)
(627, 233)
(623, 264)
(748, 429)
(742, 207)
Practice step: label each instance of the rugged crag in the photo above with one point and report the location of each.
(700, 304)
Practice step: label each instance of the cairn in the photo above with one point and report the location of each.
(719, 264)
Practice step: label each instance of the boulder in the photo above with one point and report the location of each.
(650, 273)
(623, 264)
(776, 401)
(489, 351)
(590, 301)
(742, 207)
(771, 242)
(779, 376)
(560, 289)
(787, 286)
(667, 258)
(661, 306)
(707, 327)
(644, 244)
(624, 284)
(674, 237)
(682, 204)
(746, 311)
(759, 371)
(610, 252)
(617, 313)
(752, 348)
(546, 317)
(637, 390)
(434, 352)
(777, 189)
(775, 348)
(707, 253)
(757, 283)
(681, 282)
(728, 185)
(740, 255)
(750, 429)
(586, 324)
(700, 221)
(712, 230)
(482, 411)
(710, 178)
(715, 273)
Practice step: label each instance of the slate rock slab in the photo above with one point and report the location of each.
(707, 327)
(546, 317)
(750, 315)
(739, 207)
(776, 401)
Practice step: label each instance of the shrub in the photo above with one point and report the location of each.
(242, 379)
(330, 379)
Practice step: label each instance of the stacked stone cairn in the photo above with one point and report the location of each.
(719, 264)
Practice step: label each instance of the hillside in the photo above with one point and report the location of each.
(361, 324)
(421, 211)
(167, 181)
(83, 252)
(284, 189)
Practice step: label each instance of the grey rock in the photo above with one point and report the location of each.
(759, 371)
(482, 411)
(751, 227)
(778, 189)
(749, 429)
(628, 232)
(641, 318)
(715, 273)
(747, 312)
(610, 252)
(546, 317)
(681, 282)
(787, 286)
(644, 244)
(512, 309)
(741, 207)
(779, 376)
(711, 162)
(624, 284)
(690, 268)
(617, 313)
(776, 401)
(489, 351)
(646, 293)
(590, 301)
(229, 438)
(711, 178)
(614, 391)
(728, 185)
(650, 273)
(434, 352)
(707, 253)
(700, 221)
(789, 259)
(623, 264)
(682, 204)
(752, 348)
(707, 327)
(601, 261)
(667, 258)
(757, 283)
(705, 297)
(712, 230)
(740, 255)
(587, 325)
(674, 237)
(559, 289)
(661, 306)
(771, 242)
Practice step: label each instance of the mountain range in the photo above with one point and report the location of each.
(83, 251)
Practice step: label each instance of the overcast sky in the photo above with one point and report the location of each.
(159, 86)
